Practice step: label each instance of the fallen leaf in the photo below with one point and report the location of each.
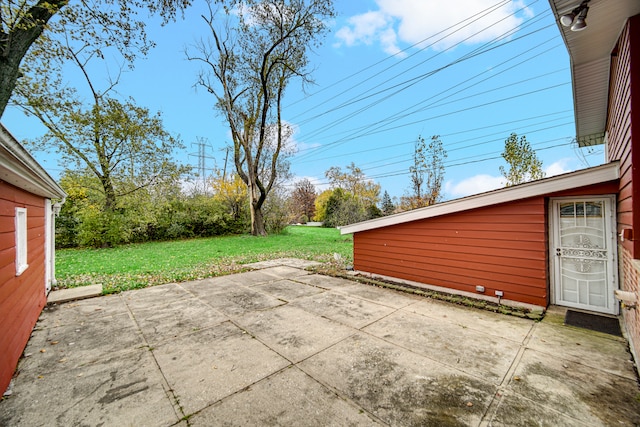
(516, 378)
(54, 342)
(469, 404)
(43, 350)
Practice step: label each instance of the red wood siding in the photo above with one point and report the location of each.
(624, 108)
(502, 247)
(21, 298)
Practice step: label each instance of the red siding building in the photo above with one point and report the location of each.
(571, 240)
(26, 248)
(497, 240)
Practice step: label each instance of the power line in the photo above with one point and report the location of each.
(490, 9)
(486, 47)
(460, 162)
(450, 144)
(508, 98)
(355, 134)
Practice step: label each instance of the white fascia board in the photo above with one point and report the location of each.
(19, 168)
(568, 181)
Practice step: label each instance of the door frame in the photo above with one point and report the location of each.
(610, 230)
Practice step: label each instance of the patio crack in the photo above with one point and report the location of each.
(496, 399)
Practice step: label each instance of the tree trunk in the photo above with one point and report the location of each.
(8, 76)
(257, 221)
(255, 208)
(110, 201)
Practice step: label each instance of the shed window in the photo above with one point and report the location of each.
(21, 240)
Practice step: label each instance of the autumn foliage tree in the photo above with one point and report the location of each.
(354, 181)
(303, 199)
(231, 192)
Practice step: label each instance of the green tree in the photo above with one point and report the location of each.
(247, 65)
(123, 146)
(354, 197)
(277, 213)
(99, 23)
(343, 208)
(522, 160)
(387, 204)
(426, 173)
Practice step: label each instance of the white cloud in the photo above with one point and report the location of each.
(483, 182)
(363, 28)
(473, 185)
(412, 21)
(558, 168)
(369, 28)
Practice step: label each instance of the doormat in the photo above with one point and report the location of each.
(607, 325)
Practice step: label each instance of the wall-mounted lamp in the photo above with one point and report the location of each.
(577, 17)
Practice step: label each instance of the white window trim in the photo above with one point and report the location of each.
(21, 241)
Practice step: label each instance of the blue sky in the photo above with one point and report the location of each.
(471, 71)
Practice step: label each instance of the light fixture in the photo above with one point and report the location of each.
(577, 17)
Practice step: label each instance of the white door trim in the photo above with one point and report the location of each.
(49, 232)
(612, 249)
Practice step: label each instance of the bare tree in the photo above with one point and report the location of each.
(247, 65)
(426, 173)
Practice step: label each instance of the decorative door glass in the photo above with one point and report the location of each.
(582, 254)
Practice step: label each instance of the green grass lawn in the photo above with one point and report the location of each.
(147, 264)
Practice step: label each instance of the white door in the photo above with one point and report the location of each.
(583, 253)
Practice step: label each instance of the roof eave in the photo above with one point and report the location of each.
(20, 169)
(590, 53)
(581, 178)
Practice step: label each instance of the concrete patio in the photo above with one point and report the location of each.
(282, 346)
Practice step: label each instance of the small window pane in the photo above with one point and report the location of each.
(594, 209)
(567, 210)
(21, 240)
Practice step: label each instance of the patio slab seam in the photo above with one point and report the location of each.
(497, 398)
(169, 392)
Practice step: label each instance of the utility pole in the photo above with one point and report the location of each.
(226, 157)
(202, 144)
